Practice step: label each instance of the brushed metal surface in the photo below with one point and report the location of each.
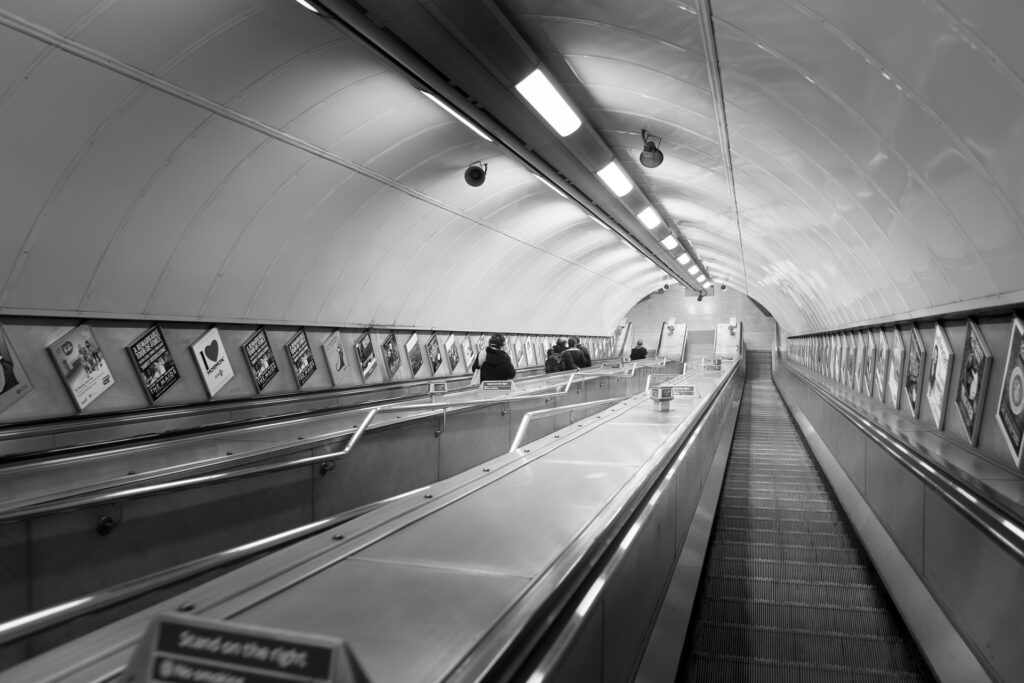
(404, 623)
(897, 497)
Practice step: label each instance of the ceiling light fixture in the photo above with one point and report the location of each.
(308, 6)
(670, 242)
(462, 119)
(555, 188)
(693, 270)
(542, 96)
(683, 258)
(651, 156)
(613, 176)
(649, 217)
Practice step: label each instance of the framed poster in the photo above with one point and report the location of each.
(81, 365)
(13, 381)
(1010, 415)
(868, 382)
(434, 353)
(970, 389)
(849, 361)
(451, 350)
(858, 368)
(672, 341)
(364, 354)
(896, 368)
(300, 357)
(153, 363)
(938, 375)
(334, 354)
(392, 358)
(467, 353)
(881, 366)
(531, 352)
(260, 358)
(414, 353)
(212, 361)
(912, 378)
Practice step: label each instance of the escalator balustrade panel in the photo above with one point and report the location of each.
(788, 593)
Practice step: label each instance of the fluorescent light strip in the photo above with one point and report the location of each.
(701, 279)
(670, 242)
(693, 270)
(683, 258)
(543, 97)
(616, 180)
(555, 188)
(462, 119)
(308, 6)
(649, 217)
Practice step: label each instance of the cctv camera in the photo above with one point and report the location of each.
(476, 174)
(723, 288)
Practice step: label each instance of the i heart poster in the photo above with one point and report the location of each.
(212, 361)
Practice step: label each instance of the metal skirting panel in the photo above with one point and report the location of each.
(788, 594)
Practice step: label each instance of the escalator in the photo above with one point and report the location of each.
(787, 592)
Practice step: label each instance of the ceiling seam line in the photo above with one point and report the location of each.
(707, 34)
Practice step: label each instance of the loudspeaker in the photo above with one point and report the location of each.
(476, 174)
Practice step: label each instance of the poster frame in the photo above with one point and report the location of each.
(81, 395)
(334, 356)
(13, 369)
(414, 353)
(895, 377)
(1010, 411)
(217, 376)
(881, 366)
(365, 354)
(153, 390)
(261, 361)
(434, 358)
(916, 357)
(940, 370)
(972, 385)
(391, 357)
(294, 353)
(451, 352)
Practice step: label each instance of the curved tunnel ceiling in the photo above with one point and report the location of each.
(252, 161)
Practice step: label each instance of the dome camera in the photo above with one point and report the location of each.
(476, 174)
(723, 288)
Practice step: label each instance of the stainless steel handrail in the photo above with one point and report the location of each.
(1000, 525)
(29, 624)
(120, 494)
(524, 424)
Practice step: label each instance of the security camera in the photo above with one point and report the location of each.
(476, 174)
(723, 288)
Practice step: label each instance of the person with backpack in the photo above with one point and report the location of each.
(572, 358)
(496, 363)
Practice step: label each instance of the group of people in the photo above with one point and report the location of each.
(567, 355)
(493, 363)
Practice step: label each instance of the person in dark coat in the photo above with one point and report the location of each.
(574, 341)
(553, 362)
(572, 357)
(496, 364)
(638, 352)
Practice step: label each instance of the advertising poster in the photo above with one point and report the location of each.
(434, 353)
(334, 355)
(212, 361)
(881, 366)
(413, 352)
(392, 359)
(467, 352)
(153, 363)
(896, 368)
(300, 357)
(912, 378)
(81, 365)
(1011, 394)
(531, 352)
(13, 381)
(858, 355)
(868, 383)
(970, 389)
(519, 354)
(451, 350)
(260, 358)
(364, 354)
(939, 371)
(849, 361)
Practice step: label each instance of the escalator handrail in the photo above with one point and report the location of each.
(999, 524)
(29, 624)
(120, 493)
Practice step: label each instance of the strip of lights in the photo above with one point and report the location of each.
(613, 176)
(542, 96)
(683, 258)
(462, 119)
(670, 242)
(649, 217)
(308, 6)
